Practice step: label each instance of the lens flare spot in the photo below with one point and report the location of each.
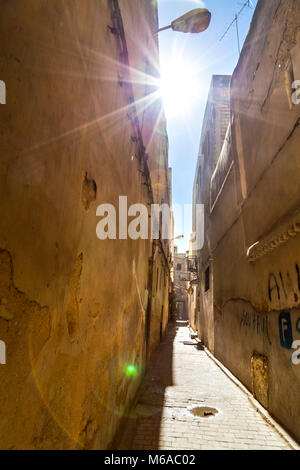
(131, 370)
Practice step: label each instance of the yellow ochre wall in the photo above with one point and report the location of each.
(73, 309)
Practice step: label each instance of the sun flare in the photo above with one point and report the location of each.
(179, 87)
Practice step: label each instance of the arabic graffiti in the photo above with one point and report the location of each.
(256, 322)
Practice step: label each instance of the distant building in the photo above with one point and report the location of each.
(215, 124)
(181, 285)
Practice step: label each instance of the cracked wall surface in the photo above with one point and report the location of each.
(253, 232)
(73, 311)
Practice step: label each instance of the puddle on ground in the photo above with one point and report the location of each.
(203, 411)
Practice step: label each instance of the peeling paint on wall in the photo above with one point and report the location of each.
(70, 306)
(260, 378)
(89, 192)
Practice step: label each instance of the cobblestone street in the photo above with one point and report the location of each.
(182, 378)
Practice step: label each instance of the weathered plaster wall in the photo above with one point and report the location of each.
(193, 288)
(159, 302)
(257, 288)
(73, 308)
(215, 125)
(144, 63)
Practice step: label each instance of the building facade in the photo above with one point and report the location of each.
(215, 124)
(181, 286)
(80, 317)
(254, 225)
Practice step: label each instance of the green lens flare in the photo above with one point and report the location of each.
(131, 370)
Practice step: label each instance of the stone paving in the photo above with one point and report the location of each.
(183, 377)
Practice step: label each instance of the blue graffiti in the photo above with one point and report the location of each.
(285, 330)
(298, 325)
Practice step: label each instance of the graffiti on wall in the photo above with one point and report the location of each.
(285, 330)
(286, 335)
(257, 323)
(296, 355)
(283, 285)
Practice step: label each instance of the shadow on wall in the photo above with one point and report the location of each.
(142, 429)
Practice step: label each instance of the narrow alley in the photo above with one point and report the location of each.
(184, 378)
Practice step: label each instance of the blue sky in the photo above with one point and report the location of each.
(206, 55)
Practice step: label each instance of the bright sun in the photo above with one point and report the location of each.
(179, 88)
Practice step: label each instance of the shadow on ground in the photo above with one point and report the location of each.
(148, 409)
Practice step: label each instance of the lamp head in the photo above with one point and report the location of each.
(195, 21)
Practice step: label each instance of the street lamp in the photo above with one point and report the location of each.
(195, 21)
